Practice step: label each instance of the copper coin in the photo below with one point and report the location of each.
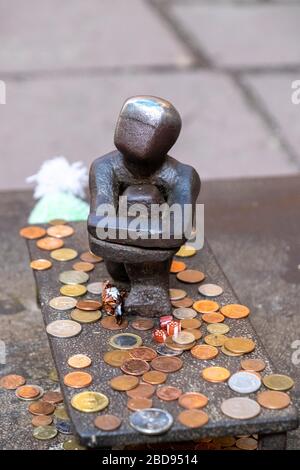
(197, 333)
(79, 361)
(139, 403)
(110, 323)
(107, 422)
(203, 351)
(206, 306)
(88, 305)
(53, 397)
(89, 257)
(235, 311)
(135, 367)
(240, 345)
(144, 353)
(193, 418)
(190, 323)
(246, 443)
(256, 365)
(122, 383)
(190, 276)
(186, 302)
(215, 374)
(154, 377)
(273, 400)
(82, 266)
(177, 294)
(40, 264)
(213, 317)
(166, 364)
(177, 267)
(41, 420)
(78, 379)
(32, 232)
(49, 243)
(143, 390)
(116, 358)
(12, 381)
(27, 392)
(192, 400)
(142, 324)
(60, 231)
(41, 407)
(168, 393)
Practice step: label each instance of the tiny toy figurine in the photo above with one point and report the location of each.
(113, 301)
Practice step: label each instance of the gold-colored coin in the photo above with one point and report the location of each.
(57, 222)
(63, 254)
(89, 402)
(73, 290)
(215, 374)
(185, 251)
(170, 344)
(61, 413)
(217, 328)
(44, 433)
(40, 264)
(79, 361)
(177, 294)
(240, 345)
(215, 340)
(116, 358)
(84, 316)
(229, 353)
(122, 383)
(72, 444)
(235, 311)
(125, 341)
(278, 382)
(206, 306)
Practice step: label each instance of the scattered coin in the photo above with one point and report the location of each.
(63, 427)
(210, 290)
(206, 306)
(246, 443)
(125, 341)
(244, 382)
(235, 311)
(213, 317)
(217, 328)
(53, 375)
(64, 254)
(144, 353)
(95, 288)
(32, 232)
(192, 400)
(89, 402)
(82, 266)
(190, 323)
(190, 276)
(135, 367)
(74, 290)
(62, 303)
(151, 421)
(107, 422)
(73, 277)
(256, 365)
(61, 413)
(57, 222)
(41, 407)
(78, 379)
(166, 364)
(44, 433)
(184, 337)
(184, 313)
(229, 353)
(53, 397)
(63, 328)
(28, 392)
(164, 351)
(49, 243)
(186, 251)
(122, 383)
(143, 390)
(193, 418)
(205, 352)
(278, 382)
(12, 381)
(240, 408)
(273, 400)
(177, 267)
(224, 441)
(40, 264)
(139, 403)
(168, 393)
(186, 302)
(170, 344)
(116, 358)
(154, 377)
(195, 332)
(60, 231)
(240, 345)
(110, 323)
(215, 340)
(79, 361)
(215, 374)
(87, 304)
(85, 316)
(89, 257)
(177, 294)
(142, 324)
(72, 444)
(41, 420)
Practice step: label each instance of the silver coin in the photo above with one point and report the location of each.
(244, 382)
(44, 433)
(73, 277)
(164, 351)
(151, 421)
(63, 303)
(183, 313)
(40, 389)
(240, 408)
(63, 328)
(95, 288)
(210, 290)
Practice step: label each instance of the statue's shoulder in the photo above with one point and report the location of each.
(111, 159)
(179, 168)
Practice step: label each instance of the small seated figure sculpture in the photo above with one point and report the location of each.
(142, 171)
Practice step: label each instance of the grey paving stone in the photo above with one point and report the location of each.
(275, 91)
(52, 35)
(235, 35)
(222, 137)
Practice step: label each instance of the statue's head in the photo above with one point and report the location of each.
(147, 127)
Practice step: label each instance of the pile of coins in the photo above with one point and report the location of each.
(146, 371)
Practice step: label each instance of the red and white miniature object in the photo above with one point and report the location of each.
(164, 320)
(159, 336)
(173, 328)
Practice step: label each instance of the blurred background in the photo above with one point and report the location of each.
(227, 65)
